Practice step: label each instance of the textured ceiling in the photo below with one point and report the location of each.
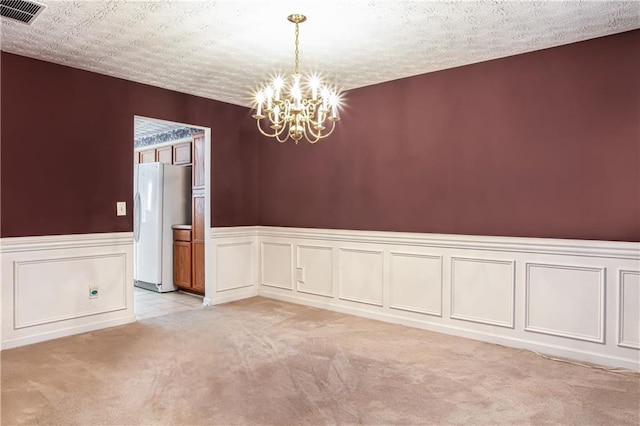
(143, 127)
(223, 49)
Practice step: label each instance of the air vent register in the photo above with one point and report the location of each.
(20, 10)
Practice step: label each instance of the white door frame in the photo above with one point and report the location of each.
(208, 286)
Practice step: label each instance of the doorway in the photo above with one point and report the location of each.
(171, 214)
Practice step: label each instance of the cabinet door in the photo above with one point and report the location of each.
(165, 155)
(148, 156)
(197, 242)
(182, 154)
(197, 254)
(182, 263)
(198, 160)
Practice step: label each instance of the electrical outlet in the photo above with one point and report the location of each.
(94, 292)
(121, 208)
(300, 274)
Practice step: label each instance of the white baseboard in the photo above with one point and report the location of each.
(566, 298)
(64, 332)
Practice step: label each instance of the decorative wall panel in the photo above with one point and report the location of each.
(315, 269)
(361, 276)
(54, 286)
(521, 292)
(566, 301)
(482, 290)
(629, 307)
(415, 283)
(68, 281)
(276, 263)
(234, 265)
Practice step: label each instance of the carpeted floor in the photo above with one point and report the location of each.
(261, 361)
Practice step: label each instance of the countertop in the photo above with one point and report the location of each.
(180, 226)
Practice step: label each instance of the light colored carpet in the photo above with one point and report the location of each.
(260, 361)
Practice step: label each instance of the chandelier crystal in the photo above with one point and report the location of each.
(301, 106)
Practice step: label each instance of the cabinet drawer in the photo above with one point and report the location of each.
(181, 235)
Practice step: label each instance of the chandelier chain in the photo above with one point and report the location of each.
(297, 50)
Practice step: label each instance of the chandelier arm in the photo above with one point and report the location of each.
(316, 136)
(270, 135)
(262, 131)
(277, 136)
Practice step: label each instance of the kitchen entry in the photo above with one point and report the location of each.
(170, 208)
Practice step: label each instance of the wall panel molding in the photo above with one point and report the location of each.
(481, 287)
(314, 265)
(588, 248)
(416, 282)
(45, 285)
(483, 290)
(234, 265)
(629, 308)
(566, 301)
(29, 277)
(360, 276)
(276, 265)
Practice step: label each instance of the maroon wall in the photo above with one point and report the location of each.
(66, 152)
(544, 144)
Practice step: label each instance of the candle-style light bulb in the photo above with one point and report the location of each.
(259, 101)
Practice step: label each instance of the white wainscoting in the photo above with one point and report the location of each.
(570, 298)
(46, 284)
(233, 264)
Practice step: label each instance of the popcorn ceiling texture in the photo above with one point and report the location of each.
(222, 49)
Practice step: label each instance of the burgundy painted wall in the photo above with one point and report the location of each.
(66, 152)
(544, 144)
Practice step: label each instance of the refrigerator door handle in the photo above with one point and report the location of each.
(136, 217)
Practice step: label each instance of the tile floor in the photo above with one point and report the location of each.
(147, 303)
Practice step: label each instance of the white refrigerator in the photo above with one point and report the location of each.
(162, 198)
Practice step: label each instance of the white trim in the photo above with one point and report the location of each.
(551, 349)
(64, 253)
(64, 332)
(437, 257)
(620, 333)
(16, 286)
(594, 248)
(163, 144)
(602, 256)
(234, 231)
(512, 265)
(60, 242)
(599, 338)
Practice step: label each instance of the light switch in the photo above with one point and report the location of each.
(121, 208)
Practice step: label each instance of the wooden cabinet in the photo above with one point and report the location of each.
(179, 154)
(188, 245)
(164, 155)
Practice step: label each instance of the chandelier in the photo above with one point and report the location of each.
(296, 108)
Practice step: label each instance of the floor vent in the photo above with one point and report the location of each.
(20, 10)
